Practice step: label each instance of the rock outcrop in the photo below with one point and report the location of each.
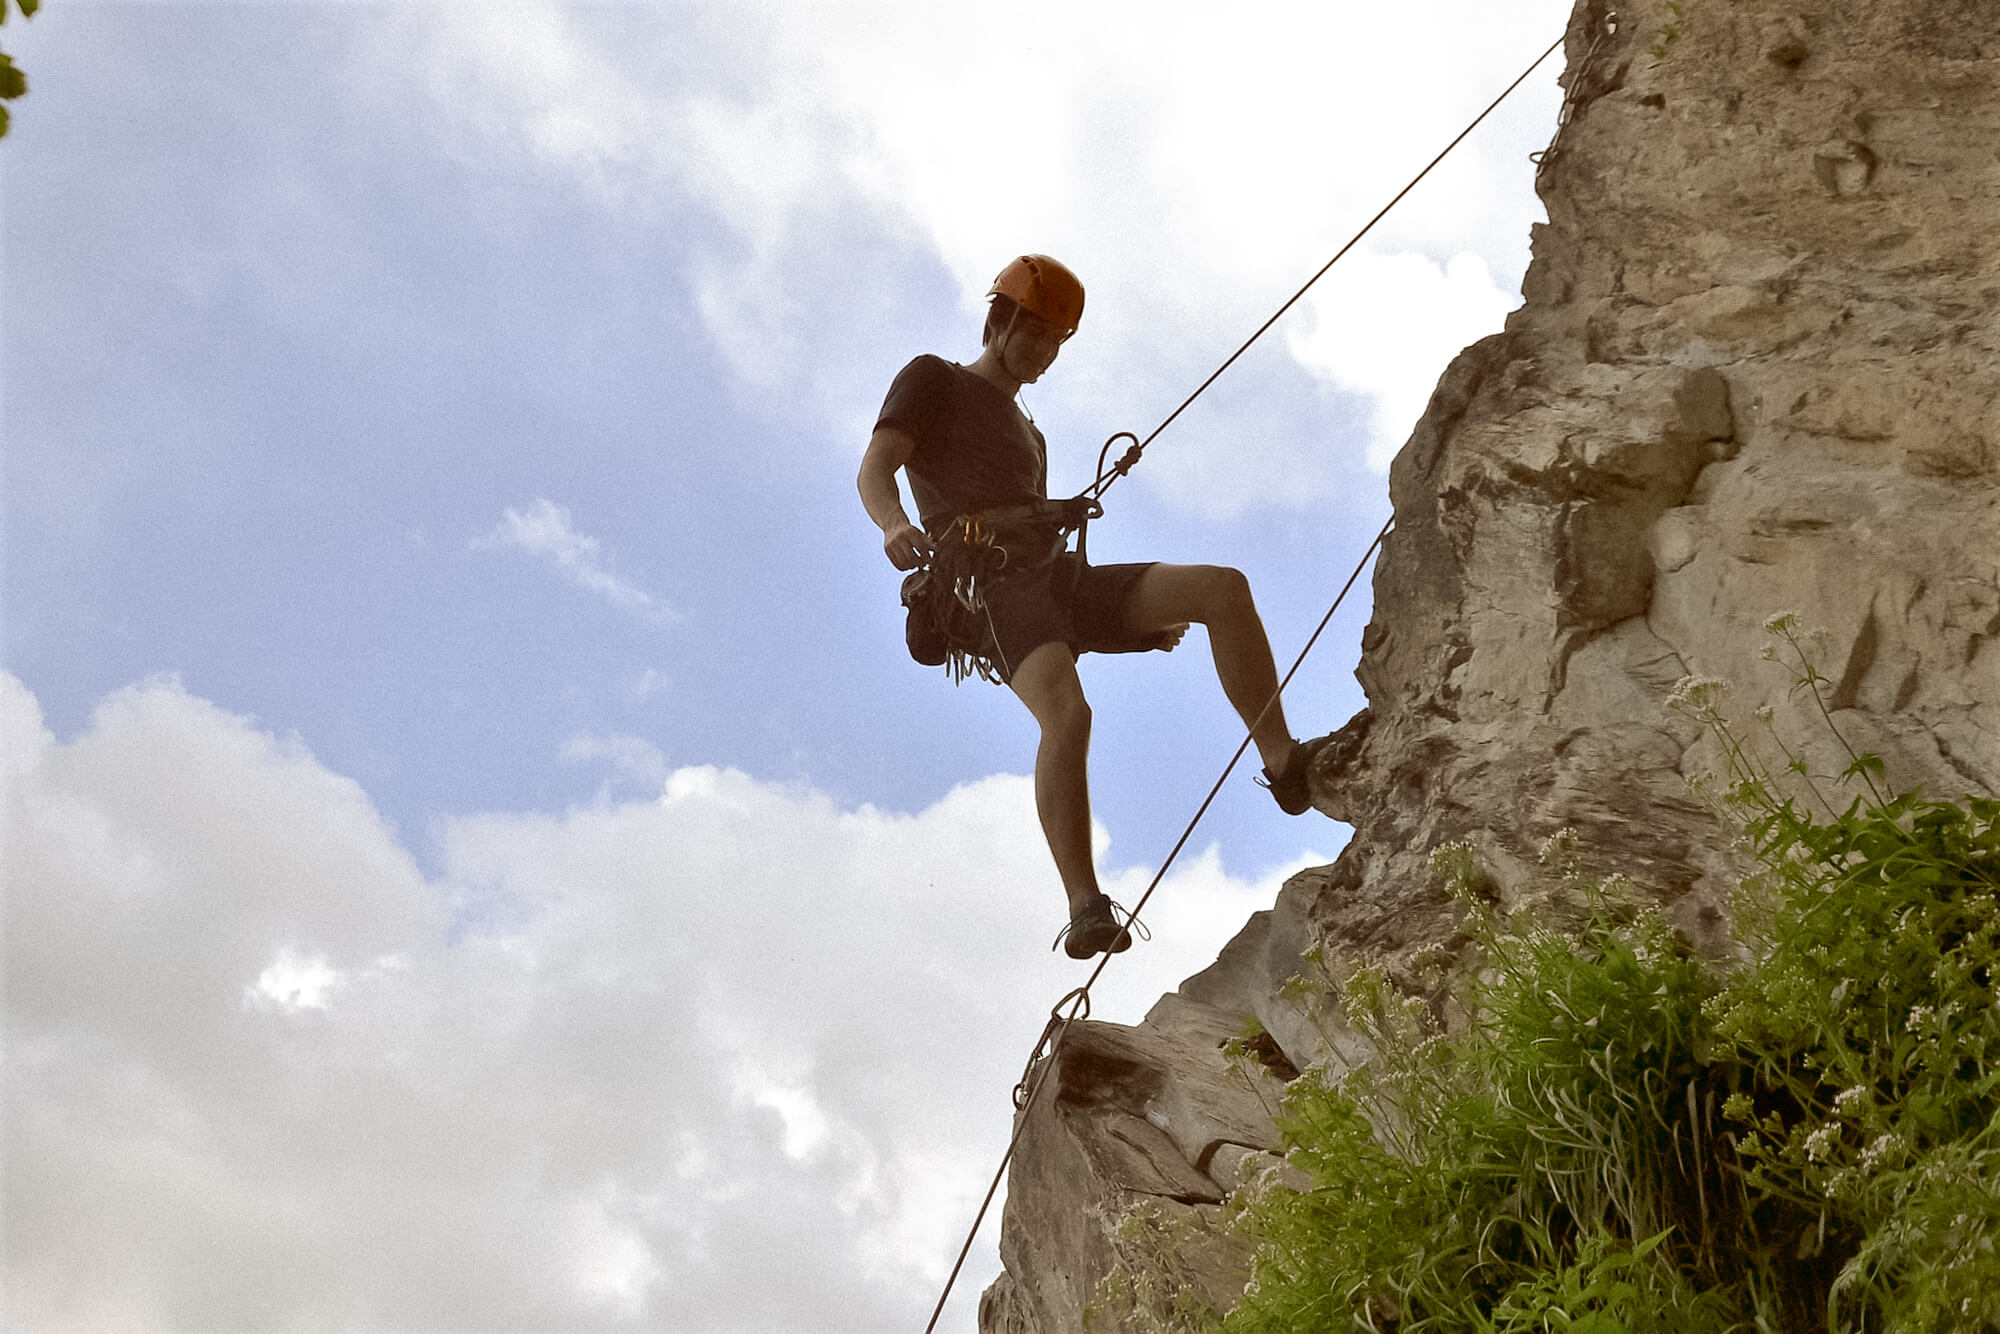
(1757, 370)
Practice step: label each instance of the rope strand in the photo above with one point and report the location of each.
(1057, 1030)
(1131, 456)
(1042, 1064)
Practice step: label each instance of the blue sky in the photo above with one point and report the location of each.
(430, 438)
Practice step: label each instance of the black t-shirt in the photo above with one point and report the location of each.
(975, 450)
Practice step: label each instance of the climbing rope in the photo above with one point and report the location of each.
(1130, 457)
(1075, 1005)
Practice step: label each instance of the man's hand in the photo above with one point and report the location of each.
(1170, 637)
(907, 546)
(903, 542)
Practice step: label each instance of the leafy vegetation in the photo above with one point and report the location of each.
(1670, 31)
(13, 82)
(1624, 1139)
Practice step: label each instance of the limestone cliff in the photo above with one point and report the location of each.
(1757, 370)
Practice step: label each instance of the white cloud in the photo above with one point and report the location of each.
(635, 757)
(1418, 315)
(294, 982)
(649, 683)
(595, 1074)
(617, 1270)
(1193, 169)
(544, 529)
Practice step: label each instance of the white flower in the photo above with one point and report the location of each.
(1881, 1150)
(1784, 623)
(1432, 955)
(1851, 1100)
(1698, 695)
(1820, 1143)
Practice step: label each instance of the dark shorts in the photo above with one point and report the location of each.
(1082, 606)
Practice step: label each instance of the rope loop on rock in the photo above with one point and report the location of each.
(1573, 95)
(1050, 1040)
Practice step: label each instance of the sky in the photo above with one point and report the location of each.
(476, 854)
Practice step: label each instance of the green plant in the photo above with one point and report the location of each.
(1670, 31)
(1155, 1290)
(1870, 1030)
(13, 82)
(1592, 1294)
(1622, 1140)
(1545, 1161)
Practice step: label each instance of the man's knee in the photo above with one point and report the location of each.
(1178, 594)
(1234, 583)
(1047, 683)
(1063, 707)
(1070, 717)
(1224, 590)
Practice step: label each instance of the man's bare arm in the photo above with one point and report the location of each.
(902, 541)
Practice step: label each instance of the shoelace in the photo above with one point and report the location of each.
(1297, 765)
(1116, 911)
(1269, 781)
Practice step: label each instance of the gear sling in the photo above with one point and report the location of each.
(949, 624)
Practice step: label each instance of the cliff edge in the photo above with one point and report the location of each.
(1757, 370)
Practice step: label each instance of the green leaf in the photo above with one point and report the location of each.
(13, 82)
(1650, 1244)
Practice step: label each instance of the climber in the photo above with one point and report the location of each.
(973, 454)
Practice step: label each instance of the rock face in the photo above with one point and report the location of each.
(1757, 370)
(1149, 1117)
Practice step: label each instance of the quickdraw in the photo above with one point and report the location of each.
(949, 624)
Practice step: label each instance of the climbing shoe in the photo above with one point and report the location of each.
(1095, 929)
(1289, 788)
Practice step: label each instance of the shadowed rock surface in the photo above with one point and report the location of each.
(1757, 370)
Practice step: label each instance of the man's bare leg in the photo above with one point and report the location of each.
(1218, 598)
(1047, 683)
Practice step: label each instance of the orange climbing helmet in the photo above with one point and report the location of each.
(1044, 287)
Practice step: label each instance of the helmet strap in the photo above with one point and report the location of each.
(1006, 335)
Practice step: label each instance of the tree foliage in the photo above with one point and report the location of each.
(13, 81)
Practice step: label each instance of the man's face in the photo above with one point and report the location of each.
(1032, 345)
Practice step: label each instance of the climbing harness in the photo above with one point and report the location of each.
(949, 623)
(1076, 1005)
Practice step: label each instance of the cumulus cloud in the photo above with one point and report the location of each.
(733, 1058)
(545, 529)
(1193, 170)
(633, 757)
(1417, 315)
